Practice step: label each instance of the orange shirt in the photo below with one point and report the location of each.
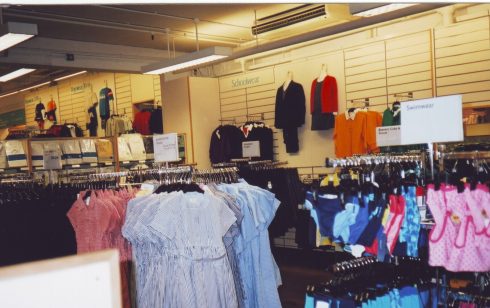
(350, 134)
(373, 120)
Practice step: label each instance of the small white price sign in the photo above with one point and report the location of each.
(51, 160)
(388, 135)
(251, 149)
(166, 147)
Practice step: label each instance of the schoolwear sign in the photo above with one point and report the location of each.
(248, 80)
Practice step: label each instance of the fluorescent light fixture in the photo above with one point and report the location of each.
(188, 60)
(8, 94)
(25, 89)
(13, 33)
(384, 9)
(36, 86)
(69, 76)
(15, 74)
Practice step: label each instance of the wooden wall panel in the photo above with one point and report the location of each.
(462, 59)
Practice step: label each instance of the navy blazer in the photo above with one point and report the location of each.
(290, 106)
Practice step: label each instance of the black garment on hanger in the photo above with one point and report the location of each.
(156, 121)
(94, 122)
(39, 114)
(290, 106)
(226, 143)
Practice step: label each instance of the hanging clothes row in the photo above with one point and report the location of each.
(404, 282)
(284, 183)
(369, 208)
(204, 246)
(226, 141)
(117, 125)
(149, 121)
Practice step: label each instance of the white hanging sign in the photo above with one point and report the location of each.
(251, 149)
(51, 159)
(388, 135)
(166, 147)
(438, 119)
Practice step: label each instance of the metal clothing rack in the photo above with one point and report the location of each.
(376, 159)
(477, 156)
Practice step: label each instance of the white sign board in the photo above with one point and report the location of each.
(81, 281)
(51, 159)
(388, 135)
(166, 147)
(438, 119)
(251, 149)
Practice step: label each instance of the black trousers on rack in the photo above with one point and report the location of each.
(290, 135)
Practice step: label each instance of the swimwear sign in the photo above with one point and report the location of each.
(438, 119)
(248, 80)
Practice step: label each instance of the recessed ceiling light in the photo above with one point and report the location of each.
(16, 74)
(384, 9)
(13, 33)
(188, 60)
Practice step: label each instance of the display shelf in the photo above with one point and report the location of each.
(477, 129)
(78, 166)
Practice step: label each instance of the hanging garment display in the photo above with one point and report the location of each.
(105, 97)
(287, 187)
(226, 144)
(51, 111)
(37, 154)
(323, 103)
(222, 235)
(290, 112)
(16, 156)
(71, 130)
(89, 153)
(104, 150)
(71, 152)
(350, 134)
(366, 283)
(136, 145)
(117, 125)
(40, 115)
(34, 223)
(156, 121)
(141, 123)
(97, 218)
(373, 120)
(460, 239)
(258, 131)
(93, 122)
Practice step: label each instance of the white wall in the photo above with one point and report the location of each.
(417, 54)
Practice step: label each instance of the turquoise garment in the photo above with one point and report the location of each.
(343, 221)
(362, 218)
(309, 301)
(410, 229)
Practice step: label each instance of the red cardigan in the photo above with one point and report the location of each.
(329, 95)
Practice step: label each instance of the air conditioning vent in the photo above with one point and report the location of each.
(300, 14)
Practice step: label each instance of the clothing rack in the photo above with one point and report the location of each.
(477, 156)
(353, 264)
(375, 159)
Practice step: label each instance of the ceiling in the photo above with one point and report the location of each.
(124, 38)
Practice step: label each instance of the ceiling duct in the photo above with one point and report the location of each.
(316, 15)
